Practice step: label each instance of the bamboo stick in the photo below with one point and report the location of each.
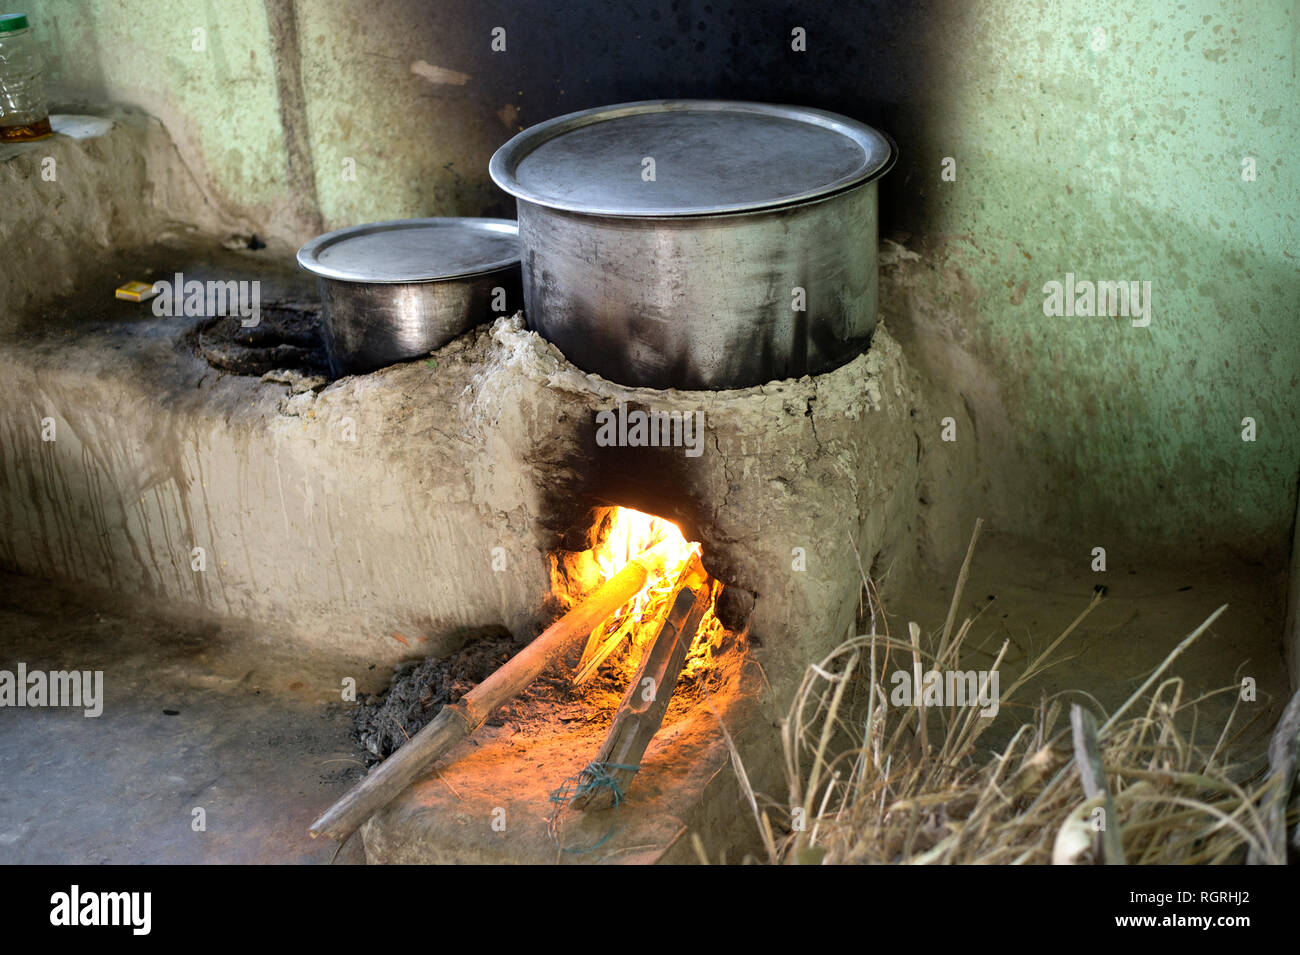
(602, 644)
(457, 720)
(638, 718)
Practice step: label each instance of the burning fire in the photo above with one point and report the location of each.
(631, 532)
(628, 533)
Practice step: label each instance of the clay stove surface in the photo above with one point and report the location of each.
(489, 799)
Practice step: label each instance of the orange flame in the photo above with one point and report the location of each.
(630, 532)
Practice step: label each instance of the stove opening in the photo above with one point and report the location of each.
(615, 700)
(616, 649)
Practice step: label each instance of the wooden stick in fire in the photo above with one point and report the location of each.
(458, 720)
(606, 638)
(644, 706)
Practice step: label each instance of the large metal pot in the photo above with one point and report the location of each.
(394, 291)
(750, 256)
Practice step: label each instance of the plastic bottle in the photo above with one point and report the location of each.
(24, 113)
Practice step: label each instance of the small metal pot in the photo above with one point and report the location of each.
(749, 257)
(395, 291)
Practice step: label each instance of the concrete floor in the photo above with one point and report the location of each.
(214, 716)
(195, 715)
(1028, 592)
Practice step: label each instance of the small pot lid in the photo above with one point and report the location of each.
(710, 157)
(413, 250)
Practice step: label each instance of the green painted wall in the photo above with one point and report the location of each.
(1115, 155)
(219, 104)
(1119, 155)
(407, 107)
(388, 120)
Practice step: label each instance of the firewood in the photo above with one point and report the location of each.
(642, 710)
(458, 720)
(602, 643)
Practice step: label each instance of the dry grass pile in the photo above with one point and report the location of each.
(873, 782)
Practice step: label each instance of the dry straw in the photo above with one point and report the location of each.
(871, 782)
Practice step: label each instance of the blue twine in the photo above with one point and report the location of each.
(589, 781)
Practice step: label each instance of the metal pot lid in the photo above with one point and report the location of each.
(413, 250)
(710, 157)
